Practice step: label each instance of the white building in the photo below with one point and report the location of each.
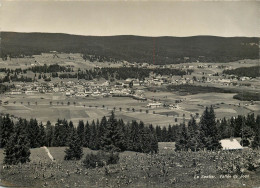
(230, 144)
(154, 105)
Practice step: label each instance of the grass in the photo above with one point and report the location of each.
(43, 111)
(166, 169)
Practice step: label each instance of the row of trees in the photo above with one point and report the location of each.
(208, 132)
(253, 71)
(128, 72)
(107, 134)
(110, 134)
(13, 71)
(114, 73)
(106, 73)
(15, 78)
(50, 69)
(113, 135)
(5, 88)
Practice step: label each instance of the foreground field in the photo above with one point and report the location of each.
(166, 169)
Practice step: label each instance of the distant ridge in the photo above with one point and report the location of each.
(132, 48)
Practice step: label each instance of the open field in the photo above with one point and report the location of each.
(75, 60)
(91, 108)
(166, 169)
(88, 108)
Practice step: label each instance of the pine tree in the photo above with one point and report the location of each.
(250, 121)
(154, 142)
(49, 134)
(134, 137)
(71, 127)
(6, 129)
(232, 127)
(256, 141)
(146, 140)
(174, 133)
(87, 135)
(33, 133)
(97, 135)
(66, 132)
(129, 143)
(224, 129)
(169, 134)
(182, 139)
(112, 138)
(80, 131)
(164, 135)
(101, 131)
(246, 136)
(17, 148)
(93, 136)
(238, 126)
(158, 133)
(41, 136)
(62, 132)
(75, 151)
(193, 133)
(57, 138)
(122, 144)
(208, 130)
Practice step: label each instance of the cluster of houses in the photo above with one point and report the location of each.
(77, 88)
(91, 88)
(84, 88)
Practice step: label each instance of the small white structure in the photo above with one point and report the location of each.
(30, 92)
(80, 94)
(154, 105)
(230, 144)
(15, 93)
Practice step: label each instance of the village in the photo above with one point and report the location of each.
(103, 94)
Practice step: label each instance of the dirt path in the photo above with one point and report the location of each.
(48, 152)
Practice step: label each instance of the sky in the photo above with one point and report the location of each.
(134, 17)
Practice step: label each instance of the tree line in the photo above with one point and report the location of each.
(119, 73)
(253, 71)
(208, 131)
(5, 88)
(50, 69)
(109, 134)
(108, 72)
(15, 78)
(122, 73)
(195, 89)
(247, 96)
(113, 135)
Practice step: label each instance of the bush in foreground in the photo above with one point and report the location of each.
(100, 159)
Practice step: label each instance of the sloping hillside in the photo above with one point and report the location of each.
(158, 50)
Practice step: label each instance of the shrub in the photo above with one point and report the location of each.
(100, 159)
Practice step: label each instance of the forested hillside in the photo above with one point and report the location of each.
(158, 50)
(245, 71)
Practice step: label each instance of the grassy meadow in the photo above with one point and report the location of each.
(166, 169)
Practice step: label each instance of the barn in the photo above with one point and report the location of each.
(230, 144)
